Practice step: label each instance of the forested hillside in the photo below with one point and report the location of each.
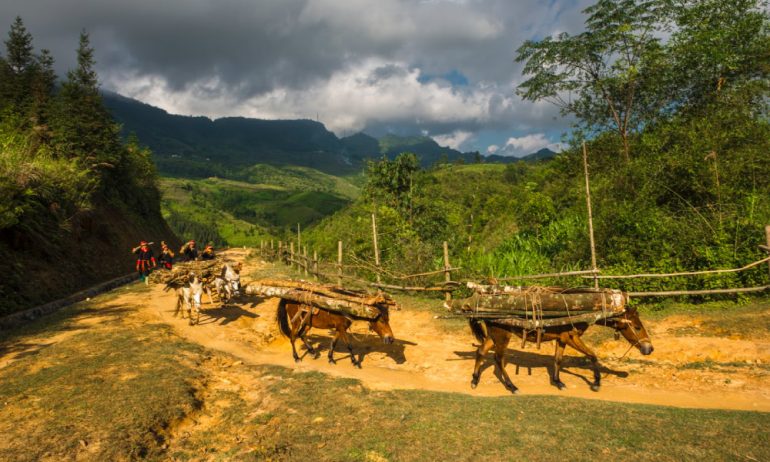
(75, 198)
(678, 140)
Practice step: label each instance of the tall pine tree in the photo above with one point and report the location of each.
(84, 128)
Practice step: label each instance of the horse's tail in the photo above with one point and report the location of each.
(282, 317)
(478, 328)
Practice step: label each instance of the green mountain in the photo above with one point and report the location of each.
(199, 147)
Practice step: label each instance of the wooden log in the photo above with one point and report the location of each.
(529, 324)
(543, 299)
(304, 297)
(330, 291)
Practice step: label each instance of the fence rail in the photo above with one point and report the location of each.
(313, 266)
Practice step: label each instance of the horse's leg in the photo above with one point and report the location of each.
(557, 357)
(292, 339)
(349, 343)
(578, 344)
(301, 334)
(500, 346)
(331, 347)
(481, 352)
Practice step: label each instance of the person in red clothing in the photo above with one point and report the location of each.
(145, 260)
(166, 259)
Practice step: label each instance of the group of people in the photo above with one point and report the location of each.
(146, 262)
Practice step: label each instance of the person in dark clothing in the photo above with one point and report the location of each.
(189, 252)
(145, 260)
(166, 259)
(208, 253)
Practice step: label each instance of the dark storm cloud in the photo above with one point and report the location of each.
(291, 58)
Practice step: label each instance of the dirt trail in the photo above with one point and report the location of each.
(683, 371)
(427, 357)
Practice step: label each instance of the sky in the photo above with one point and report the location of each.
(441, 68)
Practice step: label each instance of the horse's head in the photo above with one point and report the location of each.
(631, 328)
(381, 325)
(196, 289)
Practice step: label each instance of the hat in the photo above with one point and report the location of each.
(143, 243)
(209, 246)
(191, 242)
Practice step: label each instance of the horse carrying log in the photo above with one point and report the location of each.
(304, 305)
(546, 314)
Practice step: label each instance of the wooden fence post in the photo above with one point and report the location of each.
(590, 216)
(339, 263)
(306, 261)
(315, 264)
(299, 240)
(447, 273)
(767, 238)
(376, 249)
(291, 254)
(280, 251)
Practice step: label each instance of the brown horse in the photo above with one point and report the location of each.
(295, 320)
(498, 335)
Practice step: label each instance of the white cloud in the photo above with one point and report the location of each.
(528, 144)
(492, 148)
(454, 140)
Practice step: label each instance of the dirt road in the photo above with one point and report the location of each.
(685, 370)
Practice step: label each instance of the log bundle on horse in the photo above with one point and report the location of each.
(304, 305)
(204, 269)
(545, 314)
(356, 304)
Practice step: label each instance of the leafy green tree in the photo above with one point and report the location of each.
(393, 181)
(605, 75)
(719, 48)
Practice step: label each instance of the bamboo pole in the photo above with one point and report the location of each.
(699, 292)
(376, 249)
(590, 214)
(447, 272)
(549, 275)
(339, 263)
(767, 238)
(686, 273)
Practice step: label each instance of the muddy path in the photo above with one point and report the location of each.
(684, 371)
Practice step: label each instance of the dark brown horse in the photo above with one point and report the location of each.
(295, 320)
(490, 334)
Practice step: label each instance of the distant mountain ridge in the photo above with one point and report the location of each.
(201, 147)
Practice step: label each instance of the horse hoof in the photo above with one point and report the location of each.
(560, 385)
(297, 360)
(595, 387)
(358, 365)
(474, 384)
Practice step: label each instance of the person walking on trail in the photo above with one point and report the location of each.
(166, 258)
(188, 251)
(208, 252)
(145, 260)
